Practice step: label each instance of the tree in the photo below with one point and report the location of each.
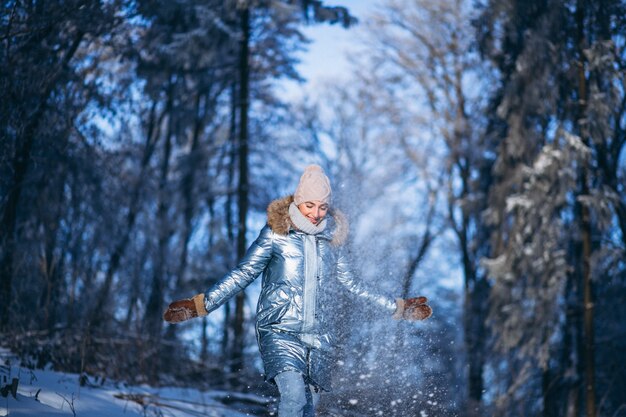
(545, 109)
(425, 57)
(32, 35)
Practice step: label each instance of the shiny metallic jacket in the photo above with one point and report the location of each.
(296, 311)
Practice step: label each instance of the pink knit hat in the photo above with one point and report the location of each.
(314, 186)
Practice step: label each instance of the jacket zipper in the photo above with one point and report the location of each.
(310, 284)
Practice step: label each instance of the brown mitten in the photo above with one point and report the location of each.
(185, 309)
(412, 309)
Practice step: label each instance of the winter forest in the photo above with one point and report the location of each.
(476, 147)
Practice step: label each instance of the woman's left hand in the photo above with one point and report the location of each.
(412, 309)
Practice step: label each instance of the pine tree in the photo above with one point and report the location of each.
(548, 167)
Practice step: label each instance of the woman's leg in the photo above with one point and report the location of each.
(293, 397)
(313, 397)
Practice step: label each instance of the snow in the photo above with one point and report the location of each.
(47, 393)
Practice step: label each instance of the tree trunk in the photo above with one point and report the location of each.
(549, 393)
(204, 346)
(188, 187)
(571, 341)
(231, 155)
(475, 316)
(50, 264)
(243, 188)
(476, 294)
(231, 166)
(154, 306)
(585, 227)
(588, 327)
(8, 226)
(135, 288)
(427, 239)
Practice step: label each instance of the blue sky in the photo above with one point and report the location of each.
(326, 55)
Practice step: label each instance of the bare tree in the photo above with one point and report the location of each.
(427, 54)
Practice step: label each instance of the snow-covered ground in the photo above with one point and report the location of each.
(46, 393)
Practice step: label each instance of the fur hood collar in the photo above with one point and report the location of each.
(280, 222)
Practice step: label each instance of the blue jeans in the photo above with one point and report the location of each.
(296, 398)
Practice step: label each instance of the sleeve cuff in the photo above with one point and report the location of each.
(198, 301)
(399, 309)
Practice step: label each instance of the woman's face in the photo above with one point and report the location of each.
(315, 211)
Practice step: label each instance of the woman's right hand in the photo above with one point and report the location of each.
(185, 309)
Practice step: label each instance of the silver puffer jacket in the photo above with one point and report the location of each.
(296, 311)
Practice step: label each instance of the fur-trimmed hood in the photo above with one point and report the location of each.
(280, 222)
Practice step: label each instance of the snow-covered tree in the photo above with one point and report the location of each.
(560, 116)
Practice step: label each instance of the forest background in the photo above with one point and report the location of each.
(476, 147)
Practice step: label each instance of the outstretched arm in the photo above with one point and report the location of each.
(409, 309)
(347, 278)
(251, 265)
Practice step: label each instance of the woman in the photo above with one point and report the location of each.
(301, 256)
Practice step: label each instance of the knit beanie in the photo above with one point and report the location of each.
(314, 186)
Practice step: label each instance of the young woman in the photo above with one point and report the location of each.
(301, 256)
